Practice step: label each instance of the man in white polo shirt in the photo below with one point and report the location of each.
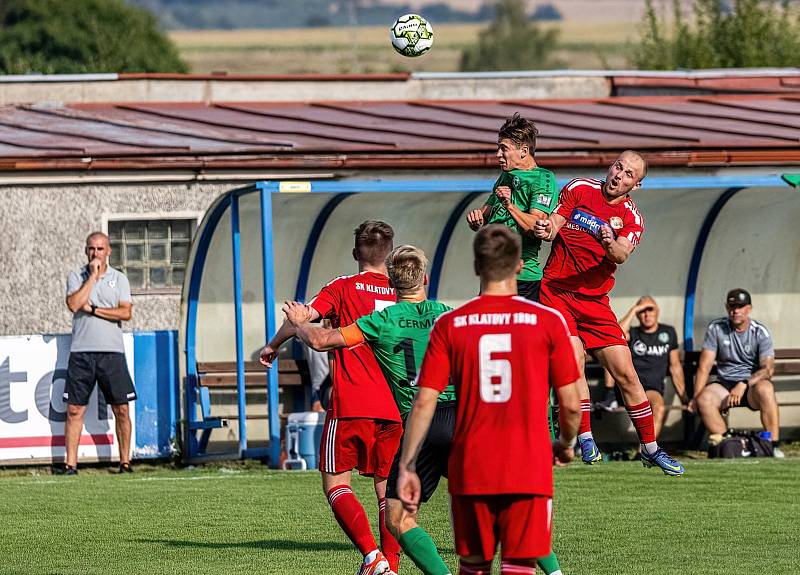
(100, 299)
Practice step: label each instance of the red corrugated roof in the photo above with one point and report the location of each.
(673, 130)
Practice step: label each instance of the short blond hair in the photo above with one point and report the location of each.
(406, 267)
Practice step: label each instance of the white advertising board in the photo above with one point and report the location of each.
(33, 371)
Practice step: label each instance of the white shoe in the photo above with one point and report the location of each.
(375, 564)
(777, 453)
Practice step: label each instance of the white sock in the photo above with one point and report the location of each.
(583, 436)
(650, 448)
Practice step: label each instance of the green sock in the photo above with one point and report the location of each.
(418, 545)
(549, 564)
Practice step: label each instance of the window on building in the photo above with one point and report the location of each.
(152, 253)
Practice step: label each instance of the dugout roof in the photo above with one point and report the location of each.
(691, 130)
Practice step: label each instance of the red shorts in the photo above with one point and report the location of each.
(368, 445)
(588, 317)
(521, 524)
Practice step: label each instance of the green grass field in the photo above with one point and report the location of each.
(611, 519)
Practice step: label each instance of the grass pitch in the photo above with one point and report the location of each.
(614, 518)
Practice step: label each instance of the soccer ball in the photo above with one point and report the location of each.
(411, 35)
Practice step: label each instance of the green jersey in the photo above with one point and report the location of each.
(398, 336)
(530, 189)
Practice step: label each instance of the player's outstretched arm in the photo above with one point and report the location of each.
(416, 429)
(287, 331)
(569, 418)
(320, 338)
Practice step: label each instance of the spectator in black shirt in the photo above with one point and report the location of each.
(654, 348)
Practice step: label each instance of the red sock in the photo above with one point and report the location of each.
(586, 412)
(352, 518)
(511, 568)
(389, 545)
(474, 568)
(642, 417)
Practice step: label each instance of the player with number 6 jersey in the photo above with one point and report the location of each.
(502, 353)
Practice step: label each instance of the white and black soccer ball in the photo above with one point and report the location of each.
(411, 35)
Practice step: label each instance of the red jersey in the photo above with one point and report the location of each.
(578, 261)
(502, 354)
(359, 388)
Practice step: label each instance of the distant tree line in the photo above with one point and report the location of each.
(720, 34)
(82, 36)
(232, 14)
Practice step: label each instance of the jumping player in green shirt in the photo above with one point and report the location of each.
(398, 336)
(523, 193)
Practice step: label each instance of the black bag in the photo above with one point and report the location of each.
(741, 444)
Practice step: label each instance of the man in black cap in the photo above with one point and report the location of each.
(745, 358)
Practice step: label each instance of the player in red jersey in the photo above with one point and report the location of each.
(362, 427)
(502, 353)
(594, 228)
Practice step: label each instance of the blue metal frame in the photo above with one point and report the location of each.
(268, 266)
(237, 309)
(194, 446)
(694, 265)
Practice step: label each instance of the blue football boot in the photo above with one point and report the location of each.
(589, 452)
(663, 461)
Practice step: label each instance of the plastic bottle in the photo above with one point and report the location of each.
(765, 435)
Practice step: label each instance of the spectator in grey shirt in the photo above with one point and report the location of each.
(743, 351)
(100, 299)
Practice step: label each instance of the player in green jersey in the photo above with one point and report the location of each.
(523, 193)
(398, 336)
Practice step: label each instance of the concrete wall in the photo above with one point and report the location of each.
(42, 233)
(205, 89)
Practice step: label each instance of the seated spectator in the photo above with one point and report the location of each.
(654, 348)
(743, 351)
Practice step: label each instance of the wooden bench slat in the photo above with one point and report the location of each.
(288, 365)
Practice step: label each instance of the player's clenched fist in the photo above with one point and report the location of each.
(504, 194)
(606, 236)
(562, 453)
(267, 355)
(475, 219)
(542, 229)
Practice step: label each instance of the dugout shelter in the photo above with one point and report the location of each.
(260, 245)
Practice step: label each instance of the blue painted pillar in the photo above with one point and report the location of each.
(155, 371)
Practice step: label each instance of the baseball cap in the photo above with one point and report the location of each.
(738, 297)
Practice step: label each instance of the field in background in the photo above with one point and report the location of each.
(612, 519)
(342, 50)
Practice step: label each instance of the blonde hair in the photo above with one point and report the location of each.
(406, 267)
